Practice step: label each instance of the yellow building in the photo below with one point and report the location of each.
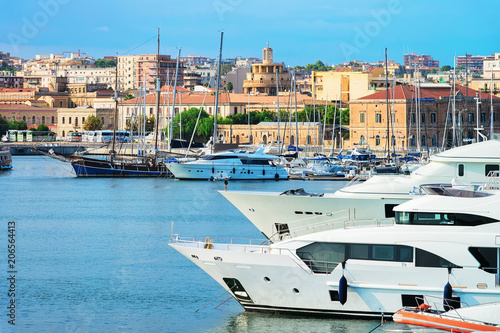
(72, 119)
(262, 78)
(347, 84)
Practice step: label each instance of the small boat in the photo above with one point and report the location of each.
(232, 164)
(5, 158)
(477, 318)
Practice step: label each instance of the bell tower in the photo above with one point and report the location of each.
(267, 55)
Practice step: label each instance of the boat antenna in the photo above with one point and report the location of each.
(173, 103)
(116, 110)
(158, 90)
(217, 91)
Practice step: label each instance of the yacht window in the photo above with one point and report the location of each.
(412, 300)
(323, 257)
(460, 170)
(383, 252)
(490, 167)
(428, 259)
(442, 219)
(487, 258)
(359, 251)
(388, 211)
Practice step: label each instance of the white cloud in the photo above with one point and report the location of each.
(103, 28)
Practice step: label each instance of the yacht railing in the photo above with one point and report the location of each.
(208, 244)
(339, 223)
(492, 181)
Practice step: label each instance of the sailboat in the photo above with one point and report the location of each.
(115, 165)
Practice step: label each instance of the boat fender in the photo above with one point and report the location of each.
(263, 172)
(448, 290)
(213, 170)
(343, 287)
(342, 290)
(234, 170)
(276, 176)
(447, 296)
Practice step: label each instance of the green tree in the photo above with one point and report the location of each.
(42, 127)
(225, 68)
(129, 96)
(187, 126)
(149, 126)
(13, 125)
(229, 86)
(22, 125)
(207, 84)
(4, 126)
(205, 128)
(318, 66)
(5, 67)
(445, 68)
(103, 63)
(92, 123)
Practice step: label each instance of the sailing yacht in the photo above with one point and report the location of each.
(443, 244)
(115, 165)
(273, 212)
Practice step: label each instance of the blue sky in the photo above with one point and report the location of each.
(300, 32)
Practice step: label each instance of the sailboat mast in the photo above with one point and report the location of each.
(296, 123)
(172, 114)
(116, 111)
(491, 105)
(453, 103)
(324, 126)
(387, 103)
(217, 89)
(158, 90)
(278, 110)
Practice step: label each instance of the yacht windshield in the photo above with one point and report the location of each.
(457, 219)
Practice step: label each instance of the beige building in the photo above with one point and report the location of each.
(72, 119)
(492, 67)
(264, 133)
(134, 70)
(347, 84)
(229, 104)
(424, 130)
(262, 78)
(127, 71)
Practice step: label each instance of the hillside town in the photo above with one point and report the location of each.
(410, 102)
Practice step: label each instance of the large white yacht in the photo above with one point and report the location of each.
(436, 245)
(275, 212)
(235, 164)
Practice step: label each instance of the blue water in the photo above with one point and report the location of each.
(92, 255)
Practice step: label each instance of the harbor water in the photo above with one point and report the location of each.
(92, 255)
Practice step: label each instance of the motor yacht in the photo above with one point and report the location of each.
(445, 243)
(272, 212)
(234, 164)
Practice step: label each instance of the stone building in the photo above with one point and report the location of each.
(72, 119)
(262, 78)
(422, 128)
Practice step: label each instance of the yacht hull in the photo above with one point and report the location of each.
(231, 171)
(107, 169)
(274, 280)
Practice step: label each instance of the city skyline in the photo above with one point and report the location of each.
(299, 33)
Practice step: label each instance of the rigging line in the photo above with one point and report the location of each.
(226, 291)
(140, 45)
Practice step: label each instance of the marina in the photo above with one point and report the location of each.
(93, 253)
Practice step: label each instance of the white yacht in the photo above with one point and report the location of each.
(273, 212)
(234, 165)
(436, 245)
